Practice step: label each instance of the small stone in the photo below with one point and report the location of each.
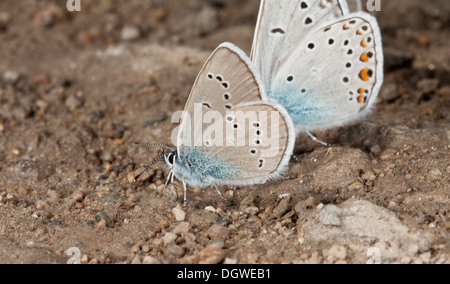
(40, 204)
(282, 208)
(178, 213)
(130, 178)
(355, 186)
(218, 231)
(387, 154)
(93, 261)
(252, 210)
(150, 260)
(15, 152)
(77, 196)
(136, 260)
(207, 20)
(145, 248)
(84, 259)
(182, 228)
(176, 250)
(136, 248)
(212, 254)
(130, 33)
(330, 215)
(338, 252)
(11, 77)
(230, 261)
(169, 238)
(2, 127)
(210, 209)
(434, 174)
(73, 103)
(101, 226)
(369, 176)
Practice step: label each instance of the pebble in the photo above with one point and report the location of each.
(355, 186)
(434, 174)
(369, 176)
(136, 260)
(145, 248)
(176, 250)
(11, 77)
(73, 103)
(338, 252)
(130, 33)
(178, 213)
(282, 208)
(77, 196)
(136, 248)
(169, 238)
(207, 20)
(212, 254)
(2, 127)
(230, 261)
(150, 260)
(101, 226)
(252, 210)
(182, 228)
(330, 215)
(218, 231)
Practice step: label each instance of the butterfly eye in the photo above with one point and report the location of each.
(170, 158)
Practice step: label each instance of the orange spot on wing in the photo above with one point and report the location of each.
(346, 27)
(363, 43)
(364, 75)
(360, 99)
(361, 91)
(358, 32)
(364, 57)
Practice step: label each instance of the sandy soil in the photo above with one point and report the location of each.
(77, 89)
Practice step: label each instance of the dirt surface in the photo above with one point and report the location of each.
(78, 89)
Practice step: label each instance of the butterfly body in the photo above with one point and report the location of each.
(199, 168)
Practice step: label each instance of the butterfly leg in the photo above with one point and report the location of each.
(315, 139)
(220, 193)
(185, 190)
(169, 178)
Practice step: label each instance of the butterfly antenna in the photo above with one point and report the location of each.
(149, 166)
(153, 144)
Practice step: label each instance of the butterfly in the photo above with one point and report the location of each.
(321, 62)
(230, 133)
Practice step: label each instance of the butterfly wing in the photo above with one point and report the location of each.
(333, 75)
(226, 80)
(282, 24)
(243, 139)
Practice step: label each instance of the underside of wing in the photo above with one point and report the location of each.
(332, 76)
(226, 80)
(282, 24)
(251, 145)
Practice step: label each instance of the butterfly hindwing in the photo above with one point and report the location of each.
(333, 75)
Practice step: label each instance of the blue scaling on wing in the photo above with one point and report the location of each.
(302, 105)
(203, 164)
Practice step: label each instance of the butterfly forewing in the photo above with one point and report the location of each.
(284, 23)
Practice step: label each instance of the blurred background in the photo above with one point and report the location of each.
(78, 88)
